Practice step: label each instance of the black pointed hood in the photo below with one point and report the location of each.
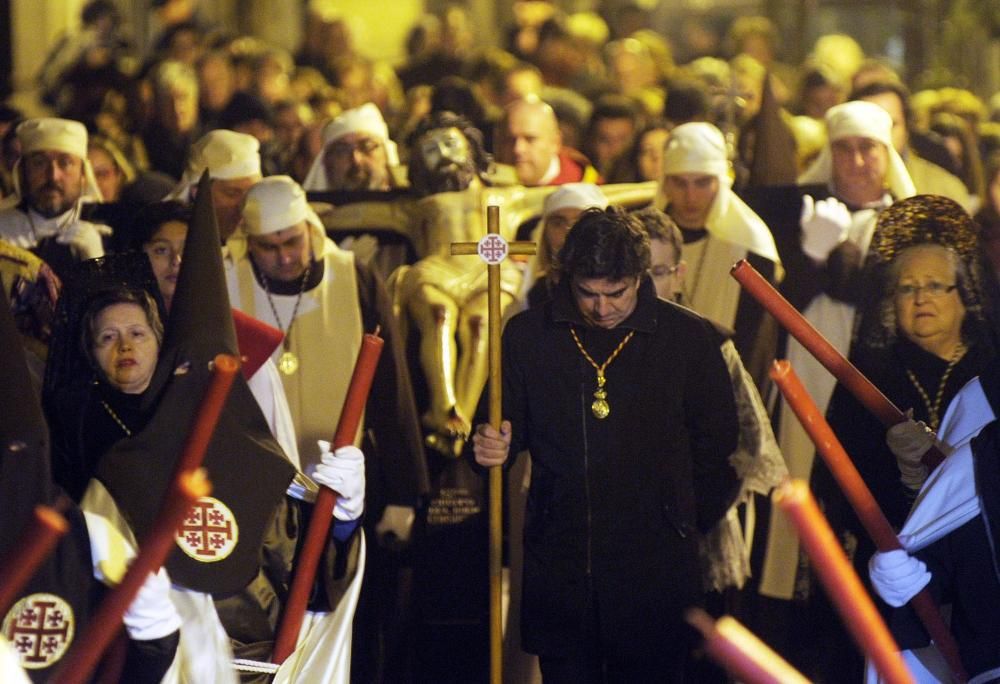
(248, 470)
(25, 478)
(193, 310)
(62, 588)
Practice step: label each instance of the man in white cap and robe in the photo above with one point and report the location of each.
(357, 153)
(233, 163)
(718, 228)
(823, 229)
(288, 274)
(52, 180)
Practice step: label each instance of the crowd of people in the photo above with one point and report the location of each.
(220, 195)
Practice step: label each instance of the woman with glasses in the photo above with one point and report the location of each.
(922, 338)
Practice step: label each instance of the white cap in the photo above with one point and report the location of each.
(224, 154)
(866, 120)
(696, 147)
(58, 135)
(61, 135)
(575, 196)
(276, 203)
(364, 119)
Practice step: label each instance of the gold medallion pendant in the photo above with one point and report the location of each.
(600, 407)
(288, 363)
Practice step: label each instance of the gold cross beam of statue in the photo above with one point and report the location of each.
(494, 249)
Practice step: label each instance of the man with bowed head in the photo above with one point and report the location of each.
(625, 404)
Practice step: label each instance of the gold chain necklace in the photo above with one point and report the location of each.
(692, 288)
(600, 407)
(933, 410)
(288, 362)
(114, 417)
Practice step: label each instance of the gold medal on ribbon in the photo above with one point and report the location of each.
(288, 363)
(600, 407)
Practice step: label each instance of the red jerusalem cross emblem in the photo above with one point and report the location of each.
(493, 249)
(209, 532)
(39, 628)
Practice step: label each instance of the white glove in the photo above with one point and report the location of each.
(152, 614)
(396, 524)
(343, 471)
(909, 441)
(824, 226)
(84, 239)
(897, 576)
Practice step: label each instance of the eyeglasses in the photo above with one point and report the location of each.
(932, 289)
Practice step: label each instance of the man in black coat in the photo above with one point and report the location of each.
(624, 402)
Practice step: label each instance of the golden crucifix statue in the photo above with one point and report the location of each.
(494, 249)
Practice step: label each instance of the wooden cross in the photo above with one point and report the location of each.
(493, 249)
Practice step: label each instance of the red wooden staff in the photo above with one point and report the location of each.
(742, 654)
(88, 648)
(862, 501)
(842, 584)
(33, 546)
(319, 526)
(843, 370)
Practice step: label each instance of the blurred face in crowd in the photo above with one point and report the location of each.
(110, 178)
(178, 106)
(216, 82)
(666, 271)
(929, 310)
(859, 168)
(557, 225)
(357, 161)
(689, 198)
(125, 346)
(283, 255)
(891, 103)
(530, 141)
(53, 181)
(650, 159)
(611, 138)
(164, 250)
(605, 303)
(227, 197)
(288, 126)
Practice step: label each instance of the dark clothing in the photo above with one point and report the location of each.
(615, 505)
(167, 152)
(964, 570)
(863, 435)
(83, 430)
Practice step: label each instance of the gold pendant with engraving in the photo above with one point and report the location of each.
(600, 407)
(288, 363)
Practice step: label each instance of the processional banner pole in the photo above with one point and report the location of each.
(494, 249)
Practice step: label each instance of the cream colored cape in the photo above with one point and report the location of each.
(325, 336)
